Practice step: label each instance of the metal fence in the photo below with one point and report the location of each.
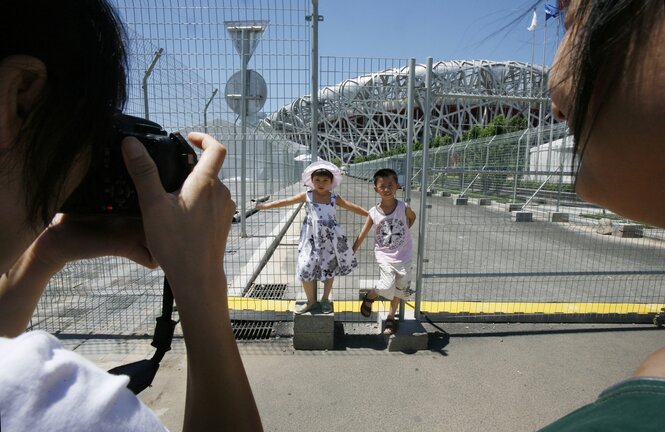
(182, 56)
(500, 234)
(505, 238)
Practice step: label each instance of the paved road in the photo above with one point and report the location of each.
(499, 378)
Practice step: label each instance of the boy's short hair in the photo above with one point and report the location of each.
(322, 172)
(384, 173)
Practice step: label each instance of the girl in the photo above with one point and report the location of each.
(323, 250)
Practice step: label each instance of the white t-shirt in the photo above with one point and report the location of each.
(392, 236)
(45, 387)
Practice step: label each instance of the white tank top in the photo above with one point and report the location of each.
(392, 236)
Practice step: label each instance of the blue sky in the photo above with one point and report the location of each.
(194, 38)
(442, 29)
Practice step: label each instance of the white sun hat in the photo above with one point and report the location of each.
(320, 164)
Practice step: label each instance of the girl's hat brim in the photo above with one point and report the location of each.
(307, 173)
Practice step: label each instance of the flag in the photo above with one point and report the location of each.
(534, 22)
(551, 11)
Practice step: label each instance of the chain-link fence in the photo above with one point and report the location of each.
(500, 234)
(185, 67)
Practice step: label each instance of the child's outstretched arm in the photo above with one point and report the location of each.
(300, 198)
(363, 233)
(410, 216)
(355, 208)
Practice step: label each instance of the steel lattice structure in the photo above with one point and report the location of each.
(368, 114)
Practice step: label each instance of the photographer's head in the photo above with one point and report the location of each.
(62, 76)
(608, 82)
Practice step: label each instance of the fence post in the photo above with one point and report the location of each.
(517, 161)
(205, 111)
(147, 74)
(409, 146)
(423, 190)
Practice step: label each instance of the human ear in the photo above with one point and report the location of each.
(22, 80)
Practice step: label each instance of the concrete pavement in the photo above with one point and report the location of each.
(494, 377)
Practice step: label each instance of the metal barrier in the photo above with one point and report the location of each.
(181, 57)
(500, 233)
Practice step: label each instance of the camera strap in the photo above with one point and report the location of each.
(142, 372)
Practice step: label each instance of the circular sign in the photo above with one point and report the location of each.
(256, 94)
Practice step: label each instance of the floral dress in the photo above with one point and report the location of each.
(323, 251)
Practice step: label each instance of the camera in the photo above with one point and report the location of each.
(108, 188)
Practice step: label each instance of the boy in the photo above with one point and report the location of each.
(392, 246)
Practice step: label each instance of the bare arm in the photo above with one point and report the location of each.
(187, 234)
(652, 366)
(410, 216)
(363, 233)
(300, 198)
(355, 208)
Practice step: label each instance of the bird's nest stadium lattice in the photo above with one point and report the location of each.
(368, 114)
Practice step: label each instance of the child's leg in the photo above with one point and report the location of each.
(326, 306)
(394, 304)
(309, 288)
(327, 287)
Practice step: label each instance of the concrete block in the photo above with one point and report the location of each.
(484, 201)
(604, 227)
(559, 217)
(627, 230)
(313, 341)
(314, 323)
(514, 207)
(410, 336)
(313, 331)
(523, 216)
(460, 200)
(444, 194)
(429, 192)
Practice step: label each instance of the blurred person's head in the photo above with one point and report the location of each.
(608, 82)
(62, 76)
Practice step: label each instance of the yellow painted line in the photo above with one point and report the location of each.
(540, 307)
(459, 307)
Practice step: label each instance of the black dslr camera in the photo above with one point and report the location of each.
(108, 187)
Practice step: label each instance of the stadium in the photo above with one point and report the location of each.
(367, 115)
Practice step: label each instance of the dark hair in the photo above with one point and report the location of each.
(385, 173)
(322, 172)
(81, 42)
(607, 37)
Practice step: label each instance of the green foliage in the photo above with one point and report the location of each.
(472, 133)
(499, 125)
(549, 186)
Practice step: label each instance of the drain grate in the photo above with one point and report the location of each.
(252, 330)
(266, 291)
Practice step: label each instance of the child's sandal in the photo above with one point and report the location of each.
(391, 326)
(366, 306)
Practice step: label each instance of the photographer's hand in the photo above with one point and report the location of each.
(66, 239)
(187, 233)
